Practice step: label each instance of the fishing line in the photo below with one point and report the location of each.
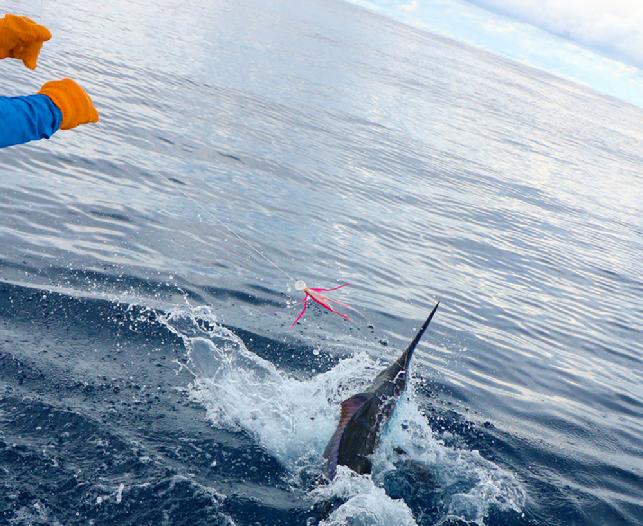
(209, 214)
(313, 294)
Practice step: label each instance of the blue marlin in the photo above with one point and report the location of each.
(364, 415)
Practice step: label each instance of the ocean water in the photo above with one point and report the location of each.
(147, 264)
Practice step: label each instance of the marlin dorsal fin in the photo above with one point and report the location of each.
(350, 406)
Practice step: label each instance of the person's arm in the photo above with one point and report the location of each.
(24, 119)
(60, 104)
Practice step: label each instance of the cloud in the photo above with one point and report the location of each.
(613, 27)
(597, 63)
(410, 7)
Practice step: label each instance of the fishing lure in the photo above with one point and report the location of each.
(310, 293)
(315, 294)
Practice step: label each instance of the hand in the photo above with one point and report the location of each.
(72, 101)
(22, 38)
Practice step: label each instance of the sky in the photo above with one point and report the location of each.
(597, 43)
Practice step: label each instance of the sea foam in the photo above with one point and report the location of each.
(292, 418)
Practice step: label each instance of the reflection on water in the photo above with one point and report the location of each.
(346, 146)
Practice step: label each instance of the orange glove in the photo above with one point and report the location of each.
(22, 38)
(72, 101)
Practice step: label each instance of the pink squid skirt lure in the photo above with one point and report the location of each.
(316, 295)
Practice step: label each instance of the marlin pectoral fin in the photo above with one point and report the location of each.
(349, 407)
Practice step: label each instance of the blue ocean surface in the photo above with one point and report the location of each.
(148, 375)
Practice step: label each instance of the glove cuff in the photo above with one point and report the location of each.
(73, 102)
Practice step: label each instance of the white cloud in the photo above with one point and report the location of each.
(614, 27)
(410, 7)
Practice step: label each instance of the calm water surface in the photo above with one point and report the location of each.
(147, 374)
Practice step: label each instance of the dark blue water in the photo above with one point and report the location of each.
(147, 374)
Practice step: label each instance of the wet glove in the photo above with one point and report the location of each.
(72, 101)
(22, 38)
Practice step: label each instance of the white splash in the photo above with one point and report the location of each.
(366, 504)
(481, 483)
(292, 419)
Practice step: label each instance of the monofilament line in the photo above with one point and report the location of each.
(235, 234)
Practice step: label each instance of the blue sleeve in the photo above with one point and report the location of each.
(24, 119)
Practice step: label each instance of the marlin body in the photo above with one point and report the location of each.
(364, 415)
